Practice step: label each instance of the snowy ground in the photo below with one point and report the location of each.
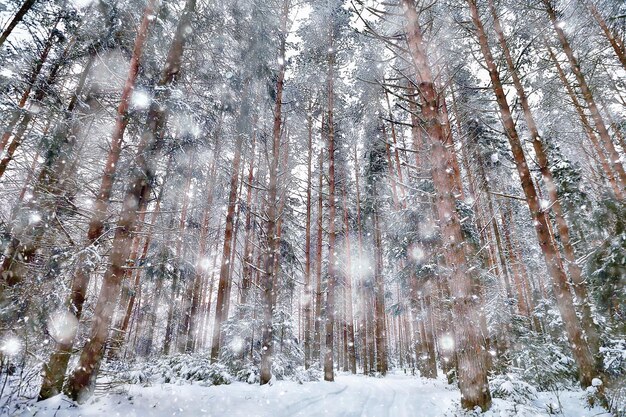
(396, 395)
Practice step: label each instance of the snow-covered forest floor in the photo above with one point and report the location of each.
(396, 395)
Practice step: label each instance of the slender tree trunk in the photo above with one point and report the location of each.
(209, 292)
(379, 297)
(308, 299)
(351, 348)
(30, 83)
(46, 191)
(201, 263)
(118, 331)
(522, 301)
(332, 274)
(129, 295)
(40, 93)
(17, 18)
(233, 255)
(428, 340)
(362, 288)
(318, 262)
(272, 251)
(179, 256)
(224, 279)
(614, 40)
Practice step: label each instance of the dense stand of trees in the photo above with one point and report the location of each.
(336, 185)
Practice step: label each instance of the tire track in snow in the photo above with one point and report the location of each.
(381, 401)
(363, 408)
(299, 406)
(400, 406)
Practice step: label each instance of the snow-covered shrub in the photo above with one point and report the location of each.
(237, 343)
(178, 369)
(510, 387)
(251, 375)
(616, 397)
(606, 267)
(614, 358)
(594, 394)
(302, 375)
(544, 360)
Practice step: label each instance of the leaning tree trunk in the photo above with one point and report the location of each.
(30, 83)
(54, 371)
(49, 186)
(616, 43)
(17, 18)
(575, 271)
(472, 371)
(614, 158)
(591, 134)
(80, 383)
(579, 344)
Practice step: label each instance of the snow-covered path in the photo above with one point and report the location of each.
(396, 395)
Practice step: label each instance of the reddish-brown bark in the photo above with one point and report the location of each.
(272, 214)
(614, 159)
(17, 18)
(580, 348)
(471, 367)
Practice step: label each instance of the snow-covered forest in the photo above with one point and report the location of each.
(313, 207)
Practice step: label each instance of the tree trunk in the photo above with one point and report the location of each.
(348, 296)
(224, 279)
(308, 299)
(332, 274)
(317, 342)
(379, 297)
(591, 134)
(54, 371)
(580, 348)
(471, 367)
(362, 290)
(129, 295)
(272, 250)
(40, 93)
(614, 40)
(17, 18)
(179, 256)
(614, 158)
(140, 184)
(30, 83)
(573, 268)
(49, 186)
